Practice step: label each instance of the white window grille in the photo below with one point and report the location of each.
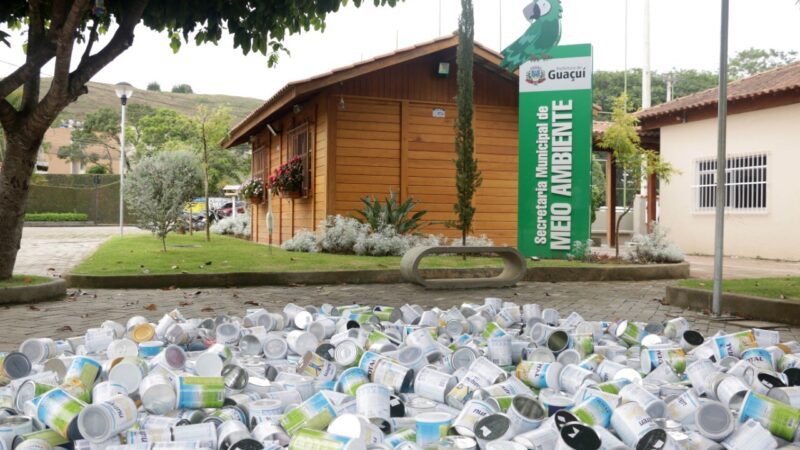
(745, 183)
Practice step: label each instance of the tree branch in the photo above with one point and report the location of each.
(8, 115)
(37, 58)
(30, 93)
(65, 44)
(92, 38)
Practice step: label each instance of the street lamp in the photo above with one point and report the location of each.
(124, 92)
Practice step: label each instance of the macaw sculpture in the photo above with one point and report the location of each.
(543, 34)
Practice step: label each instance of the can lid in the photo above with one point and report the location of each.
(17, 365)
(347, 352)
(792, 376)
(275, 348)
(492, 427)
(235, 377)
(653, 440)
(713, 420)
(580, 437)
(563, 417)
(143, 332)
(693, 337)
(396, 407)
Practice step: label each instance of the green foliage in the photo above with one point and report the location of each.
(598, 186)
(154, 86)
(608, 85)
(157, 188)
(182, 88)
(391, 213)
(164, 129)
(77, 153)
(56, 217)
(751, 61)
(97, 170)
(468, 177)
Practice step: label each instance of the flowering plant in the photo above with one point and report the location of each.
(288, 177)
(253, 188)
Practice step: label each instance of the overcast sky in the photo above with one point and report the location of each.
(685, 34)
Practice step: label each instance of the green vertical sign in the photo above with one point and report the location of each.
(555, 145)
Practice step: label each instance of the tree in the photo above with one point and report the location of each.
(211, 128)
(598, 186)
(182, 89)
(608, 85)
(100, 130)
(635, 161)
(154, 86)
(751, 61)
(468, 177)
(158, 187)
(53, 28)
(76, 153)
(157, 131)
(98, 170)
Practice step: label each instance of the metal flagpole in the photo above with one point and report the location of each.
(719, 229)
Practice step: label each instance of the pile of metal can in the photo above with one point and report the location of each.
(493, 375)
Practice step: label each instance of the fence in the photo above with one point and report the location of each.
(94, 195)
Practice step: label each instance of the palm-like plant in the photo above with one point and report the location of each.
(391, 213)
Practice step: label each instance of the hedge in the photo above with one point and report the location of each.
(56, 217)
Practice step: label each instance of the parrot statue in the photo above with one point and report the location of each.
(543, 34)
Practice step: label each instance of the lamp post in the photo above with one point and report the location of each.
(124, 92)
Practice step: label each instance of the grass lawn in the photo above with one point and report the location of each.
(781, 288)
(24, 280)
(132, 255)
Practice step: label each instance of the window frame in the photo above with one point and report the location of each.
(731, 171)
(293, 138)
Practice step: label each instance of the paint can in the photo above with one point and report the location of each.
(543, 438)
(651, 359)
(630, 333)
(15, 365)
(525, 413)
(471, 413)
(609, 441)
(13, 426)
(675, 328)
(157, 394)
(431, 428)
(779, 418)
(34, 444)
(759, 357)
(682, 408)
(462, 392)
(577, 436)
(105, 390)
(301, 342)
(419, 405)
(730, 390)
(387, 372)
(350, 380)
(494, 427)
(59, 410)
(511, 387)
(572, 377)
(433, 384)
(699, 373)
(316, 412)
(263, 410)
(539, 375)
(462, 358)
(173, 357)
(29, 390)
(234, 435)
(372, 401)
(488, 370)
(128, 372)
(499, 350)
(205, 434)
(225, 414)
(789, 395)
(38, 350)
(554, 401)
(413, 357)
(100, 421)
(316, 439)
(422, 338)
(147, 349)
(97, 339)
(357, 428)
(550, 316)
(653, 406)
(200, 392)
(733, 344)
(714, 420)
(632, 423)
(750, 435)
(691, 339)
(275, 347)
(348, 353)
(301, 383)
(594, 411)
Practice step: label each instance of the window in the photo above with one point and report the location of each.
(300, 145)
(745, 183)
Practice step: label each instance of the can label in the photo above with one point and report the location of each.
(317, 367)
(319, 440)
(493, 329)
(315, 413)
(734, 344)
(201, 392)
(83, 370)
(462, 391)
(534, 373)
(398, 438)
(57, 410)
(372, 401)
(759, 357)
(122, 411)
(350, 380)
(52, 437)
(779, 418)
(594, 412)
(675, 358)
(432, 384)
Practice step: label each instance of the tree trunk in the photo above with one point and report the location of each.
(15, 177)
(619, 220)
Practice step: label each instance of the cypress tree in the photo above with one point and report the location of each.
(468, 177)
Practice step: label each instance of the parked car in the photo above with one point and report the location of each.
(227, 209)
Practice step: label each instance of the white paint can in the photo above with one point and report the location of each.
(632, 423)
(99, 422)
(433, 384)
(372, 401)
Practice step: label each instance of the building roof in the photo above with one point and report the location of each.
(775, 81)
(302, 88)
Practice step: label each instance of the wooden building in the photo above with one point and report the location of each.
(387, 124)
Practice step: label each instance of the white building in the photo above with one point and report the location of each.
(763, 166)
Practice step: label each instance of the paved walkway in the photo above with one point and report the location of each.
(594, 301)
(55, 250)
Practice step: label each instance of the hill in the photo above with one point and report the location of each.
(102, 95)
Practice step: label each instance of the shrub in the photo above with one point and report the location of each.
(304, 241)
(340, 234)
(56, 217)
(234, 226)
(386, 242)
(582, 251)
(98, 170)
(253, 188)
(654, 248)
(473, 241)
(287, 177)
(390, 214)
(157, 188)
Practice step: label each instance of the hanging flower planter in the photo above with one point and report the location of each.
(253, 190)
(287, 179)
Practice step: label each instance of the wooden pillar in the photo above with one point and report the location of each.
(652, 179)
(330, 176)
(611, 200)
(404, 121)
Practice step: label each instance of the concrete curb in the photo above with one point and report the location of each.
(747, 306)
(59, 224)
(32, 294)
(387, 276)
